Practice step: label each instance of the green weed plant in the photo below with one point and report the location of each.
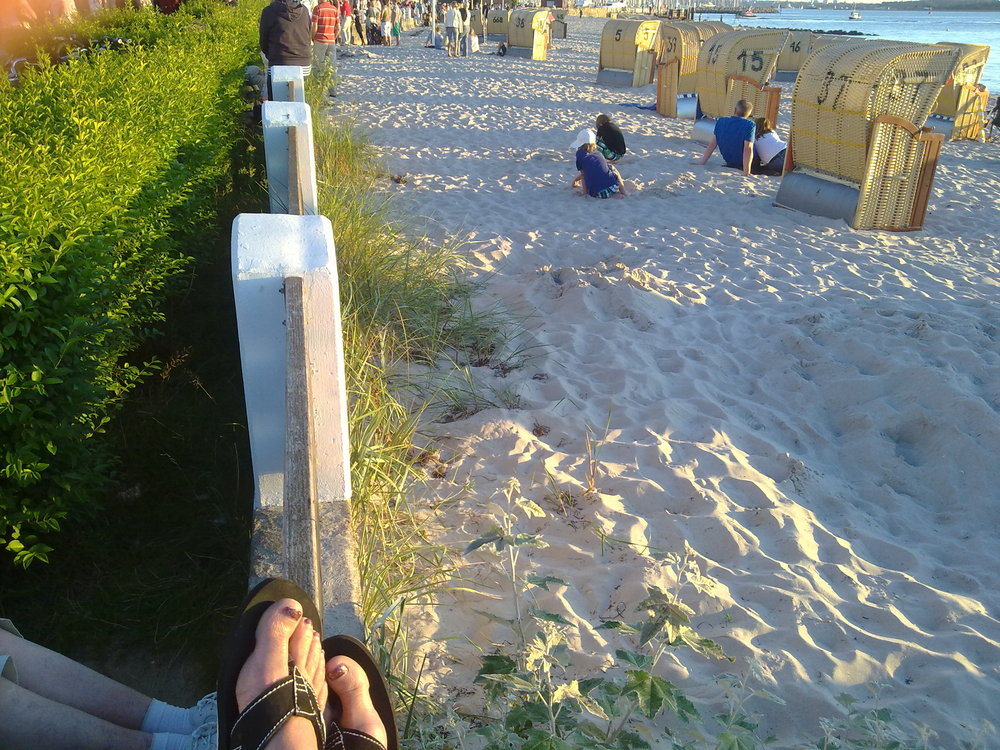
(109, 170)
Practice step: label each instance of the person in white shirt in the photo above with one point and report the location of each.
(768, 149)
(451, 23)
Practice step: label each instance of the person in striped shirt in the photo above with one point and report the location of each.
(325, 30)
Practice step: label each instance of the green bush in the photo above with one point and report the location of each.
(109, 170)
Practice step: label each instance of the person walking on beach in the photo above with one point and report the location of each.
(346, 22)
(398, 13)
(385, 25)
(325, 31)
(286, 36)
(735, 137)
(610, 140)
(595, 177)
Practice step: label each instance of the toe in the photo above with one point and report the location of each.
(268, 662)
(298, 646)
(349, 682)
(316, 670)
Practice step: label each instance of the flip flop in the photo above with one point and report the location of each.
(345, 645)
(292, 696)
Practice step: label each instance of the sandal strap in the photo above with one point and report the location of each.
(338, 738)
(267, 713)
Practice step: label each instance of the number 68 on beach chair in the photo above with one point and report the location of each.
(857, 148)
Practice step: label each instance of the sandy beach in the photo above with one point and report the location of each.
(814, 410)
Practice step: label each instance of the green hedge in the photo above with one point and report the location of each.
(109, 170)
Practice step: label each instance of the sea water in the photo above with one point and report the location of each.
(908, 25)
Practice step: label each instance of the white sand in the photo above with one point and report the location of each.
(815, 410)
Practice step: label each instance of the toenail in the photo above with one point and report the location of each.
(307, 621)
(295, 614)
(338, 671)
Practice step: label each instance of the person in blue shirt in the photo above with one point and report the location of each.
(596, 177)
(734, 136)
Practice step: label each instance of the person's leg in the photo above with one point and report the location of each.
(55, 677)
(29, 721)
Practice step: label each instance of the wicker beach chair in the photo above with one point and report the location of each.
(736, 65)
(528, 33)
(681, 39)
(857, 148)
(497, 21)
(629, 52)
(794, 51)
(962, 100)
(713, 27)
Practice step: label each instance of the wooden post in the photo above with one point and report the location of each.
(667, 77)
(928, 167)
(300, 504)
(295, 203)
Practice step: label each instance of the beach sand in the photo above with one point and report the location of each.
(814, 410)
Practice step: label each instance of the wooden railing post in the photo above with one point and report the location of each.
(300, 502)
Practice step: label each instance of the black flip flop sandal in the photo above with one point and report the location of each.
(339, 738)
(291, 696)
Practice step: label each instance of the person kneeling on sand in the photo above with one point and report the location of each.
(735, 137)
(610, 140)
(596, 177)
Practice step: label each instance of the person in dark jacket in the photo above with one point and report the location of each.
(286, 36)
(610, 140)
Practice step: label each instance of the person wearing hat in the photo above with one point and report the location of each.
(596, 177)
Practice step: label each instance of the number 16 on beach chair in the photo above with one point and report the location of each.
(857, 148)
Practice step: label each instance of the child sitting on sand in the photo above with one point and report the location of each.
(610, 140)
(596, 177)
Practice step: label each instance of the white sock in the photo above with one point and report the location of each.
(162, 717)
(168, 741)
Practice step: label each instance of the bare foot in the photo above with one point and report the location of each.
(284, 635)
(349, 682)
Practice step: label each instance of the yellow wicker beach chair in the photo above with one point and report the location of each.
(528, 33)
(629, 53)
(962, 103)
(857, 148)
(496, 24)
(478, 25)
(711, 28)
(559, 25)
(683, 40)
(741, 56)
(794, 51)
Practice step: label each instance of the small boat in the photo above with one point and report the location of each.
(855, 16)
(747, 13)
